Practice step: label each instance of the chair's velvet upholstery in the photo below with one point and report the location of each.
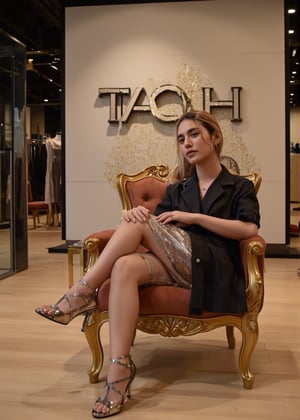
(146, 192)
(164, 309)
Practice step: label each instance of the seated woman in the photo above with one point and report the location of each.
(193, 242)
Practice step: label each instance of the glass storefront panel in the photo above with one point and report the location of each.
(13, 205)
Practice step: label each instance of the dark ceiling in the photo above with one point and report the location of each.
(39, 25)
(293, 52)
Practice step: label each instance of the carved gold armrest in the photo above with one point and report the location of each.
(94, 245)
(255, 249)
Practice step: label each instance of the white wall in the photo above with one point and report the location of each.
(295, 125)
(190, 44)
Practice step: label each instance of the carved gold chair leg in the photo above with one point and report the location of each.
(249, 332)
(230, 336)
(92, 327)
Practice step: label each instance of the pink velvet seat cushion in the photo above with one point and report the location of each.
(158, 300)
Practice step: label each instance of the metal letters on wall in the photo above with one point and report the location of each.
(119, 113)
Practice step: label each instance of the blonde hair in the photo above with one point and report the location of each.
(183, 168)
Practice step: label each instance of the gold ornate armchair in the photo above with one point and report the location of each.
(164, 309)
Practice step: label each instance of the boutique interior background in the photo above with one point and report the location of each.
(39, 24)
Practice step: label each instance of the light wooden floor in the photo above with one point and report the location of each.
(43, 365)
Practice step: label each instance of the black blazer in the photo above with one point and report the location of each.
(218, 283)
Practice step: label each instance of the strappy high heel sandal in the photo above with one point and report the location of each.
(89, 305)
(112, 406)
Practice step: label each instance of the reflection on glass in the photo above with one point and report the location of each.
(13, 210)
(5, 163)
(5, 213)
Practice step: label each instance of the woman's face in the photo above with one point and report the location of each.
(195, 142)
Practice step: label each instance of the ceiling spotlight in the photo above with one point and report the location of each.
(291, 11)
(294, 52)
(29, 64)
(291, 31)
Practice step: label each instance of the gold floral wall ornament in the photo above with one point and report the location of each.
(146, 141)
(234, 145)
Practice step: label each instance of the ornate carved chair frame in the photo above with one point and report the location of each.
(156, 317)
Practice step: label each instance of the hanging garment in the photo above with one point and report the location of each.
(53, 173)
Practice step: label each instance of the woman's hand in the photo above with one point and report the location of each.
(136, 214)
(180, 218)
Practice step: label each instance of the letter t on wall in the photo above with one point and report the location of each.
(114, 93)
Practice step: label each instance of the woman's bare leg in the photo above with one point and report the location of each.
(124, 241)
(128, 274)
(128, 271)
